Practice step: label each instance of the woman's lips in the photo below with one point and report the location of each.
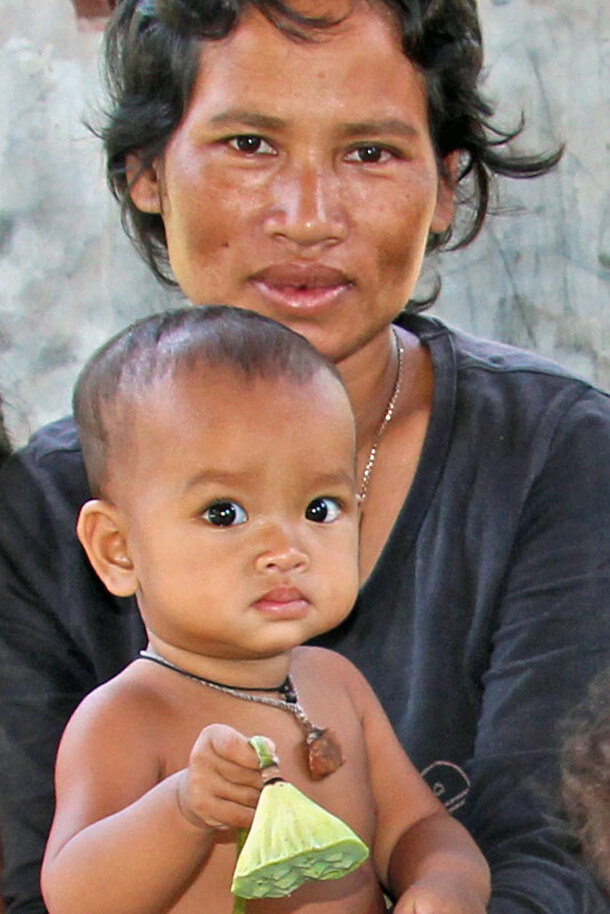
(283, 602)
(296, 287)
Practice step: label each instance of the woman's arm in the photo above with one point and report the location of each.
(61, 635)
(550, 633)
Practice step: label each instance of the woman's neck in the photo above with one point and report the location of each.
(370, 378)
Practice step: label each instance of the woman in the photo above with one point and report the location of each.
(301, 168)
(5, 443)
(5, 450)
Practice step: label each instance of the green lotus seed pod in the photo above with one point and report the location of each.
(293, 840)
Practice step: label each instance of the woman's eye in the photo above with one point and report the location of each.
(252, 144)
(371, 154)
(323, 510)
(225, 514)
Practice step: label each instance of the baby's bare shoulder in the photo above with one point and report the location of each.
(321, 659)
(328, 667)
(128, 702)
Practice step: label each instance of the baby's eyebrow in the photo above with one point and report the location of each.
(211, 476)
(228, 478)
(334, 480)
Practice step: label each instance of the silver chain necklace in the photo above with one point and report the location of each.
(324, 754)
(387, 418)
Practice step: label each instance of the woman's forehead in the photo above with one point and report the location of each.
(373, 26)
(359, 60)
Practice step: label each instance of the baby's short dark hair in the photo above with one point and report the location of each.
(161, 345)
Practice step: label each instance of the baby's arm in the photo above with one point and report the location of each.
(428, 861)
(436, 868)
(124, 841)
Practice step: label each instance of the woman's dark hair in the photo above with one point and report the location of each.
(152, 56)
(5, 442)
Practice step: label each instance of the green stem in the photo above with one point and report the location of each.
(261, 747)
(239, 904)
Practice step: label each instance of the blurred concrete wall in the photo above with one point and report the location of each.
(538, 277)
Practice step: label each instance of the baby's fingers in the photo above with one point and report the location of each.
(232, 755)
(222, 784)
(231, 746)
(217, 804)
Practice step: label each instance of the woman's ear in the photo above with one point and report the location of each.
(445, 201)
(100, 530)
(144, 184)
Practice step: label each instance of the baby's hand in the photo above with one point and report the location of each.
(437, 896)
(221, 786)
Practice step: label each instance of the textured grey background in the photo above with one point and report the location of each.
(538, 277)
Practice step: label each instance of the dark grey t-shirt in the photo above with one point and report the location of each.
(481, 624)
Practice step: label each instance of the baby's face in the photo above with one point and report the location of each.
(240, 509)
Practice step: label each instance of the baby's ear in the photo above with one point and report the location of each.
(101, 531)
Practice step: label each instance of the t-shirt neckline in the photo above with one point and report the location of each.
(435, 335)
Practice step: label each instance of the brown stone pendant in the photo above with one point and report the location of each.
(324, 753)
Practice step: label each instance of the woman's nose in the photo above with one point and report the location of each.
(307, 209)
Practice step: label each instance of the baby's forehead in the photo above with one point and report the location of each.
(185, 381)
(194, 420)
(202, 388)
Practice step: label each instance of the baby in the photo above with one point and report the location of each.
(220, 448)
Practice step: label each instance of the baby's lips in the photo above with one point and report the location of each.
(283, 595)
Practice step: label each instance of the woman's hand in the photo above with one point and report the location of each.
(221, 786)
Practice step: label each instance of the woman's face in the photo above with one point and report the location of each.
(302, 182)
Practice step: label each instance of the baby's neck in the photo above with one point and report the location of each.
(264, 674)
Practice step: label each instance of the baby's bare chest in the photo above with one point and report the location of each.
(346, 793)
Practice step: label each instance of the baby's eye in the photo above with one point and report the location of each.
(369, 154)
(252, 144)
(323, 510)
(225, 514)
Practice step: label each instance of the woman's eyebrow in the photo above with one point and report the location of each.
(383, 127)
(370, 127)
(248, 119)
